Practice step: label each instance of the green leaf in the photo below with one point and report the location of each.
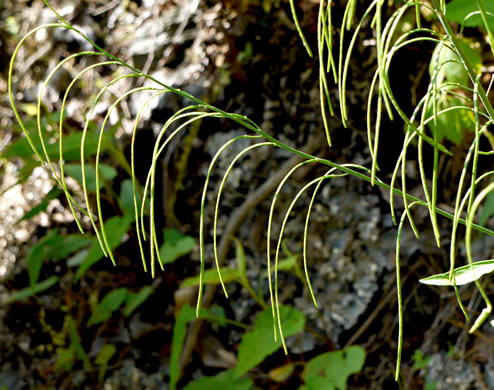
(185, 315)
(111, 302)
(68, 245)
(241, 261)
(77, 259)
(103, 358)
(65, 359)
(463, 275)
(176, 245)
(451, 124)
(225, 380)
(134, 300)
(488, 209)
(450, 67)
(282, 373)
(457, 10)
(259, 343)
(420, 362)
(116, 228)
(107, 172)
(211, 277)
(37, 254)
(35, 258)
(218, 311)
(53, 194)
(114, 299)
(105, 354)
(28, 291)
(71, 146)
(75, 344)
(286, 264)
(127, 198)
(331, 370)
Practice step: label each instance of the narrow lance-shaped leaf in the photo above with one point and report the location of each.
(463, 275)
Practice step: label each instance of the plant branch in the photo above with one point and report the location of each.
(233, 225)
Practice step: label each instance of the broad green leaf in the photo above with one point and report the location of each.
(53, 194)
(134, 300)
(450, 67)
(211, 277)
(185, 315)
(259, 343)
(457, 10)
(225, 380)
(116, 228)
(176, 245)
(107, 173)
(28, 291)
(463, 275)
(111, 302)
(331, 370)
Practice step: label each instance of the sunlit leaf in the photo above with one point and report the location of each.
(463, 275)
